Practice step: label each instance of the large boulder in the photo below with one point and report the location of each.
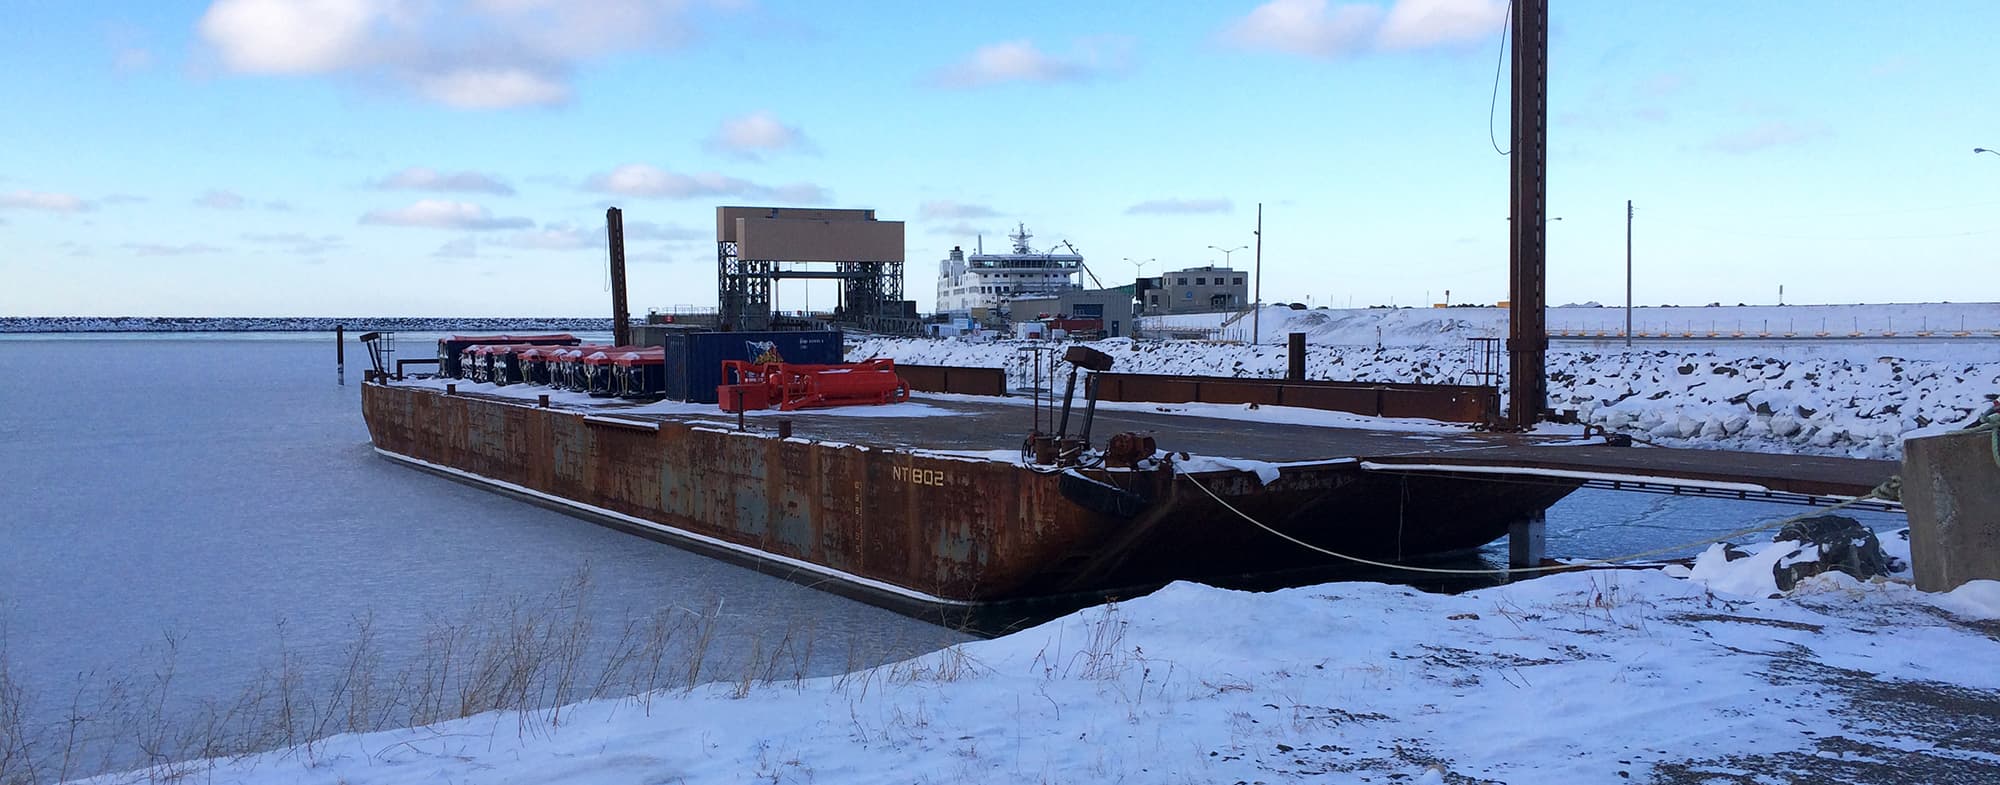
(1830, 543)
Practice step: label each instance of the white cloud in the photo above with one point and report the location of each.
(796, 193)
(220, 200)
(461, 248)
(960, 229)
(290, 36)
(645, 181)
(1322, 29)
(1306, 27)
(555, 237)
(439, 214)
(1775, 133)
(947, 209)
(423, 178)
(298, 242)
(37, 200)
(667, 233)
(185, 249)
(1426, 24)
(494, 88)
(470, 54)
(755, 134)
(1010, 61)
(1179, 207)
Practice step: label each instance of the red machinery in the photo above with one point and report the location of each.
(749, 386)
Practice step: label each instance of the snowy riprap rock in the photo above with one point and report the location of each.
(1598, 677)
(1819, 400)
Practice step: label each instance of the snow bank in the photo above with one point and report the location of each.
(1850, 402)
(1422, 326)
(1974, 600)
(1584, 677)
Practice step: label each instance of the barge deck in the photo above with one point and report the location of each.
(927, 507)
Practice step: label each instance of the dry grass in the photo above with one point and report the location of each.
(528, 656)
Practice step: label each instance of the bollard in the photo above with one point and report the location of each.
(784, 429)
(1296, 369)
(340, 354)
(542, 400)
(450, 388)
(739, 409)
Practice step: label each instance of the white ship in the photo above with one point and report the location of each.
(986, 281)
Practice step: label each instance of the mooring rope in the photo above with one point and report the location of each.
(1890, 490)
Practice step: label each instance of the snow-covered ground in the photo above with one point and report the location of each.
(1607, 676)
(1420, 326)
(1833, 396)
(154, 324)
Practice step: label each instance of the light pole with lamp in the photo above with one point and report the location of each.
(1225, 256)
(1139, 271)
(1978, 150)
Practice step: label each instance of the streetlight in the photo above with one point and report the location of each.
(1139, 265)
(1227, 251)
(1978, 150)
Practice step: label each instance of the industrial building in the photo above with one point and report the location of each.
(1204, 289)
(1114, 307)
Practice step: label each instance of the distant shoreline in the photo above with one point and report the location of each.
(281, 324)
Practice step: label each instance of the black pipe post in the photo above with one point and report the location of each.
(340, 353)
(1295, 369)
(621, 318)
(1527, 321)
(1069, 392)
(1089, 408)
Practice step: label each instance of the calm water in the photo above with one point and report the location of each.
(219, 492)
(222, 493)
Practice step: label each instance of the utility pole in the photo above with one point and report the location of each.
(1628, 273)
(1257, 274)
(1528, 329)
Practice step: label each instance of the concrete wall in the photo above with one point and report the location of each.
(1951, 489)
(801, 240)
(725, 217)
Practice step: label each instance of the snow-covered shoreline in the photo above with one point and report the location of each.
(1606, 676)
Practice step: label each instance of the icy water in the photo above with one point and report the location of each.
(213, 503)
(210, 503)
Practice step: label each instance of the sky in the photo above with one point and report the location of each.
(455, 157)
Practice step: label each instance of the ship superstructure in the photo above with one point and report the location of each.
(983, 283)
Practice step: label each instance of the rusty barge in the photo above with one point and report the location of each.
(932, 507)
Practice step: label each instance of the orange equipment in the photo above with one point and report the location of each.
(790, 387)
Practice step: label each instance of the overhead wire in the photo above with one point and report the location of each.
(1493, 104)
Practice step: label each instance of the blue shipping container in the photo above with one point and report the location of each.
(694, 360)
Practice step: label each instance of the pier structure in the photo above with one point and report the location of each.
(756, 247)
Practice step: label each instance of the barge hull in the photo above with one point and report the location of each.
(919, 531)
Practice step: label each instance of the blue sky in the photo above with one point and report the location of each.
(454, 157)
